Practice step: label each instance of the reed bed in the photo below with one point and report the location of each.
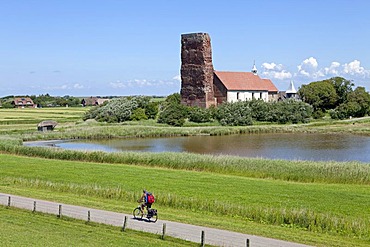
(288, 217)
(297, 171)
(85, 131)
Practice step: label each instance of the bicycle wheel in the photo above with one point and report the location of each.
(138, 213)
(154, 218)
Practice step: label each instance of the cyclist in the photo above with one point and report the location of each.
(146, 200)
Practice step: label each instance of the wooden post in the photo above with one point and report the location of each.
(60, 211)
(202, 239)
(247, 242)
(34, 207)
(124, 224)
(9, 199)
(163, 231)
(88, 216)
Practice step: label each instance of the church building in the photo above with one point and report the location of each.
(202, 86)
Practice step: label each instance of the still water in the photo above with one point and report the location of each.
(297, 146)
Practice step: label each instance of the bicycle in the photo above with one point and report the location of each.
(151, 215)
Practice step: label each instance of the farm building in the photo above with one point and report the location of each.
(46, 125)
(202, 86)
(23, 103)
(93, 101)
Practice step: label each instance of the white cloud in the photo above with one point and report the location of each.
(142, 83)
(276, 71)
(177, 78)
(333, 69)
(355, 68)
(78, 86)
(309, 68)
(272, 66)
(117, 84)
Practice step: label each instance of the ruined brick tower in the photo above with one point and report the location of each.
(196, 70)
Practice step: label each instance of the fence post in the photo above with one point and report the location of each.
(164, 231)
(34, 207)
(60, 211)
(247, 242)
(124, 224)
(9, 199)
(88, 216)
(202, 239)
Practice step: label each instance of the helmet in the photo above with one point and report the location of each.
(144, 190)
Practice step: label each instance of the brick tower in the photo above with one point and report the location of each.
(196, 70)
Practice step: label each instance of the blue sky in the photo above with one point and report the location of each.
(112, 47)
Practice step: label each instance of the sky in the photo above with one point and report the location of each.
(118, 47)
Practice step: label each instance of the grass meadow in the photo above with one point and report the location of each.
(24, 228)
(225, 201)
(317, 203)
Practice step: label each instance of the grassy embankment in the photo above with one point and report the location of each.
(303, 212)
(23, 228)
(327, 204)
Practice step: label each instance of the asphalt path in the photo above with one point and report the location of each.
(188, 232)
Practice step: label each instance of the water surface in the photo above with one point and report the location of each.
(296, 146)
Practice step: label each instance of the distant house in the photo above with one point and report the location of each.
(242, 86)
(93, 101)
(23, 103)
(291, 93)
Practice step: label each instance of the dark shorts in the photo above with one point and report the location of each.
(149, 205)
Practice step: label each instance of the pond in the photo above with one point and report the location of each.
(297, 146)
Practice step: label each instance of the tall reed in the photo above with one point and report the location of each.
(299, 171)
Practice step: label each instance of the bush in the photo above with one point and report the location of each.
(347, 110)
(173, 114)
(138, 114)
(234, 114)
(200, 115)
(242, 113)
(119, 110)
(260, 109)
(151, 110)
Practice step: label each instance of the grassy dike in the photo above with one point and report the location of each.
(23, 228)
(315, 213)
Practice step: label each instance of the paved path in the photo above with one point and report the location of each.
(178, 230)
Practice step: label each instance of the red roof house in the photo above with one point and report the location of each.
(234, 86)
(23, 103)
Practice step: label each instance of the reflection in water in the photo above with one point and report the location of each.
(336, 147)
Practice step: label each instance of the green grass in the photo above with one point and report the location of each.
(335, 209)
(24, 228)
(300, 171)
(20, 121)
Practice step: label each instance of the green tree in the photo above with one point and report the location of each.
(151, 110)
(342, 87)
(360, 96)
(173, 99)
(320, 94)
(138, 114)
(173, 114)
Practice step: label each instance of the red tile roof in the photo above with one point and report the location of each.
(246, 81)
(23, 101)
